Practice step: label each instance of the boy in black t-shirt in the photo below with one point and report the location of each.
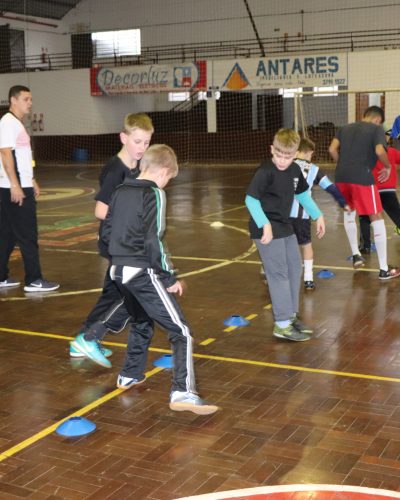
(109, 313)
(270, 195)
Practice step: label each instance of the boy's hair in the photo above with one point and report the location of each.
(286, 140)
(374, 111)
(306, 145)
(16, 90)
(134, 121)
(157, 157)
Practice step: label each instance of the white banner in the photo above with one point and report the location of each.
(153, 78)
(281, 72)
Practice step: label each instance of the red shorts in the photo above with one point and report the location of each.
(365, 200)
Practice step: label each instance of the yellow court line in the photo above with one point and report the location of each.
(207, 341)
(251, 316)
(45, 432)
(65, 337)
(48, 430)
(230, 360)
(230, 329)
(297, 368)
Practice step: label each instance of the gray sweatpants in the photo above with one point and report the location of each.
(282, 266)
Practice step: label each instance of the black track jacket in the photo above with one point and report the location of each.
(134, 227)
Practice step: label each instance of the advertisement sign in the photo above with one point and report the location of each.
(281, 72)
(152, 78)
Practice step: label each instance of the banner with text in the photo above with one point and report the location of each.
(153, 78)
(281, 72)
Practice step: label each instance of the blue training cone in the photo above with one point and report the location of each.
(165, 361)
(75, 426)
(236, 320)
(325, 273)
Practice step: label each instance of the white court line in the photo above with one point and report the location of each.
(248, 493)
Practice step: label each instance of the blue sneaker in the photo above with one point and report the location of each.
(127, 383)
(91, 349)
(74, 353)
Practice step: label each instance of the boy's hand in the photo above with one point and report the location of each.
(347, 208)
(320, 227)
(176, 288)
(267, 234)
(384, 174)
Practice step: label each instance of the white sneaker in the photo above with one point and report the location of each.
(189, 401)
(127, 382)
(41, 285)
(9, 282)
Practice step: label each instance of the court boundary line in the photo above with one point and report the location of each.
(82, 411)
(265, 364)
(249, 493)
(107, 397)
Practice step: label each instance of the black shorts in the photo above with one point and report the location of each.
(302, 230)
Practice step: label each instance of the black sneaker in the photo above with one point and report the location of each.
(358, 261)
(365, 250)
(41, 285)
(392, 272)
(309, 285)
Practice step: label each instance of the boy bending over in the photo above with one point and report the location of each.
(133, 230)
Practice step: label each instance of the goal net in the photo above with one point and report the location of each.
(318, 114)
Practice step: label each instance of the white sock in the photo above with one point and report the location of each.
(283, 324)
(308, 270)
(379, 228)
(350, 227)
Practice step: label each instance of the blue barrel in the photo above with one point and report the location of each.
(79, 154)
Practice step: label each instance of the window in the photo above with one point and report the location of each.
(119, 43)
(327, 91)
(290, 92)
(178, 96)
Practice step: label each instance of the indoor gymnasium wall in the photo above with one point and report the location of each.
(176, 22)
(190, 21)
(73, 118)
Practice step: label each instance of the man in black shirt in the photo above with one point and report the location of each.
(356, 148)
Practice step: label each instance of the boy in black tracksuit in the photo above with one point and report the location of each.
(133, 230)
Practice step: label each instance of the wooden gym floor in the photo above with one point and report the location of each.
(325, 411)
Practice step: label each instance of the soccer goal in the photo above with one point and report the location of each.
(318, 114)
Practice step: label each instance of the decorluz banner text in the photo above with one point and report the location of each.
(154, 78)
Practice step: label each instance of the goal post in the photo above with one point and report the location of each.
(318, 114)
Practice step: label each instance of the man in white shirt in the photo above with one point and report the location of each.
(18, 193)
